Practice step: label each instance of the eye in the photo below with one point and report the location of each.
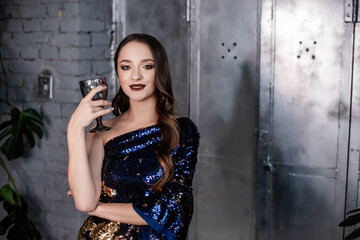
(148, 66)
(125, 67)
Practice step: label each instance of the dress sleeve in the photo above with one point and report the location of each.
(169, 211)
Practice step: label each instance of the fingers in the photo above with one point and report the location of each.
(100, 103)
(69, 194)
(103, 112)
(93, 92)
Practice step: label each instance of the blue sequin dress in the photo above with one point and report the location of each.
(129, 168)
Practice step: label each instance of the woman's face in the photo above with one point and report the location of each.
(136, 71)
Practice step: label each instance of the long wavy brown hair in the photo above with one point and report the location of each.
(167, 119)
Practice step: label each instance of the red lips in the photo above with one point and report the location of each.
(137, 87)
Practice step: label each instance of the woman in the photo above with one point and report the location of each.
(134, 180)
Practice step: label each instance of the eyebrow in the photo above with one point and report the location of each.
(143, 60)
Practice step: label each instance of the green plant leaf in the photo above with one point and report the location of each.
(23, 125)
(19, 223)
(16, 232)
(13, 147)
(29, 136)
(33, 115)
(353, 235)
(354, 210)
(23, 226)
(350, 220)
(10, 209)
(7, 194)
(36, 129)
(4, 125)
(5, 224)
(15, 114)
(6, 132)
(23, 204)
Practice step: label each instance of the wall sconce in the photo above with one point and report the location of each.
(45, 84)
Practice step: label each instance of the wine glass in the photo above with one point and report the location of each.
(86, 86)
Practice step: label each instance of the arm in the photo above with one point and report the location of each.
(169, 211)
(85, 156)
(118, 212)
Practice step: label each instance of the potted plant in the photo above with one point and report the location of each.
(22, 127)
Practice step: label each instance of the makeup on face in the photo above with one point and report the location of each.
(137, 87)
(136, 71)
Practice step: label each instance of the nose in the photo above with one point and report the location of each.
(136, 74)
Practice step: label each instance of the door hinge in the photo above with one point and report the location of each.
(188, 11)
(191, 6)
(351, 11)
(262, 134)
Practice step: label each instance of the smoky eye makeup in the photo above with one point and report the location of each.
(125, 64)
(148, 66)
(125, 67)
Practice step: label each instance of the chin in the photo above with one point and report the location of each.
(141, 98)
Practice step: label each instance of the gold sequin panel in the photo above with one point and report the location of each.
(106, 230)
(106, 191)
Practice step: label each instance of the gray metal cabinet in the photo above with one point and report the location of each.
(308, 83)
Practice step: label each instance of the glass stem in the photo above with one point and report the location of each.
(98, 122)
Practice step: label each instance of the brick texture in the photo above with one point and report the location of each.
(71, 38)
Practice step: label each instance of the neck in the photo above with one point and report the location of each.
(143, 112)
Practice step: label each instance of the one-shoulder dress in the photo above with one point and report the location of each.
(130, 167)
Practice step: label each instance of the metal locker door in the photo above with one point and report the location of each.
(305, 87)
(224, 102)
